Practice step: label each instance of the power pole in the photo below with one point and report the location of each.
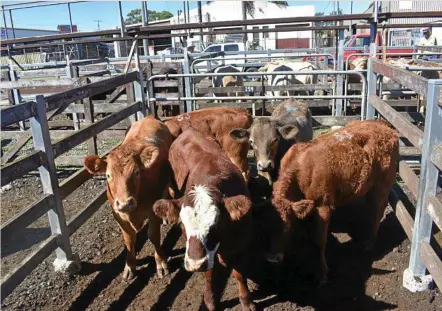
(144, 19)
(98, 23)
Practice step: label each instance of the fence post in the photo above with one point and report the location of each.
(140, 94)
(414, 278)
(66, 261)
(72, 72)
(16, 97)
(130, 93)
(186, 70)
(89, 116)
(368, 112)
(340, 80)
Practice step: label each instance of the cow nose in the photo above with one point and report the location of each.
(265, 166)
(125, 205)
(199, 265)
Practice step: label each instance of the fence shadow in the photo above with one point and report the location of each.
(350, 268)
(26, 239)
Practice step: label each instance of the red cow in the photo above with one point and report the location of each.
(215, 211)
(137, 173)
(358, 160)
(217, 123)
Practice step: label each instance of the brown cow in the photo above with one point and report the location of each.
(291, 122)
(217, 123)
(137, 173)
(356, 161)
(215, 211)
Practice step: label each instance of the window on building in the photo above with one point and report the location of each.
(265, 35)
(231, 48)
(255, 35)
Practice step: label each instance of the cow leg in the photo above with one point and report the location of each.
(209, 296)
(377, 201)
(244, 293)
(321, 224)
(130, 237)
(154, 234)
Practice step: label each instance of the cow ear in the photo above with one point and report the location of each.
(237, 206)
(288, 132)
(94, 164)
(149, 156)
(167, 209)
(240, 135)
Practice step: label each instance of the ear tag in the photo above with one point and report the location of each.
(290, 108)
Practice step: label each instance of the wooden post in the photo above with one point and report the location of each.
(414, 277)
(130, 93)
(65, 260)
(139, 85)
(72, 72)
(181, 89)
(340, 66)
(89, 116)
(150, 89)
(16, 98)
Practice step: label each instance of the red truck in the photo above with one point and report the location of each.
(355, 44)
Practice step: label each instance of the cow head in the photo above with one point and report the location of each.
(201, 212)
(123, 169)
(264, 136)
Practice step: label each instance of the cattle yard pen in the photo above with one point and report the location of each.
(79, 81)
(424, 188)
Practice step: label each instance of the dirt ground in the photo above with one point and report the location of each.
(357, 281)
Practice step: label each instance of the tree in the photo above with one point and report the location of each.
(134, 16)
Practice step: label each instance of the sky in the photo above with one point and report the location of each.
(87, 14)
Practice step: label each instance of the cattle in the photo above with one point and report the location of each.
(217, 123)
(287, 65)
(357, 161)
(291, 122)
(227, 80)
(215, 211)
(137, 174)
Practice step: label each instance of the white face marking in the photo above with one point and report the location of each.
(199, 219)
(342, 135)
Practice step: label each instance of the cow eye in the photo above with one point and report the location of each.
(108, 176)
(251, 142)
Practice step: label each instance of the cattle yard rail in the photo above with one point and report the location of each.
(423, 188)
(191, 106)
(43, 159)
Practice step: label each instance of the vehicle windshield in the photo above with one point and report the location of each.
(347, 41)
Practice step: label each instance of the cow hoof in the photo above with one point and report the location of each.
(162, 271)
(248, 307)
(128, 273)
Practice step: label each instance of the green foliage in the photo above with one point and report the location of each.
(134, 16)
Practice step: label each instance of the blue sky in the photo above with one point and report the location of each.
(86, 14)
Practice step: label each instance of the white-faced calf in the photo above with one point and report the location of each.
(215, 211)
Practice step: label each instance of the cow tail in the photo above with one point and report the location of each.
(301, 208)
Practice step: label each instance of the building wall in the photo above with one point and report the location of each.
(232, 10)
(411, 6)
(24, 33)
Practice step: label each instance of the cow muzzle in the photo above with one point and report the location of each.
(196, 265)
(125, 206)
(265, 166)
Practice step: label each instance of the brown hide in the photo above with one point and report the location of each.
(137, 174)
(217, 123)
(358, 160)
(198, 162)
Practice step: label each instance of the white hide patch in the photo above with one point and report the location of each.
(182, 117)
(342, 135)
(198, 220)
